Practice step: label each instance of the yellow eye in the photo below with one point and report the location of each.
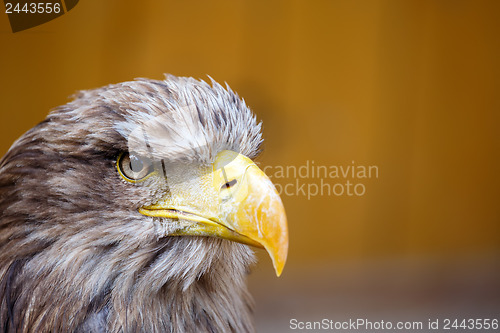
(133, 167)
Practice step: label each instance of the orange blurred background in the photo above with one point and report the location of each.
(412, 87)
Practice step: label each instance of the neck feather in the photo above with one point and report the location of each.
(177, 284)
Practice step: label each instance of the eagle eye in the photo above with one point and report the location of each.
(133, 167)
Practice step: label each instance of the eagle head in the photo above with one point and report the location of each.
(130, 209)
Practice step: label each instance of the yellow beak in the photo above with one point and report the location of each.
(239, 203)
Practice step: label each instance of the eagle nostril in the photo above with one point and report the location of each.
(229, 184)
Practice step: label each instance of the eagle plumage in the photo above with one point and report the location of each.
(86, 247)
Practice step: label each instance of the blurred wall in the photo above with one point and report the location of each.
(411, 87)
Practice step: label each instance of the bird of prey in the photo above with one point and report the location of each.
(131, 208)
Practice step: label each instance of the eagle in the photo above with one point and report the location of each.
(133, 208)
